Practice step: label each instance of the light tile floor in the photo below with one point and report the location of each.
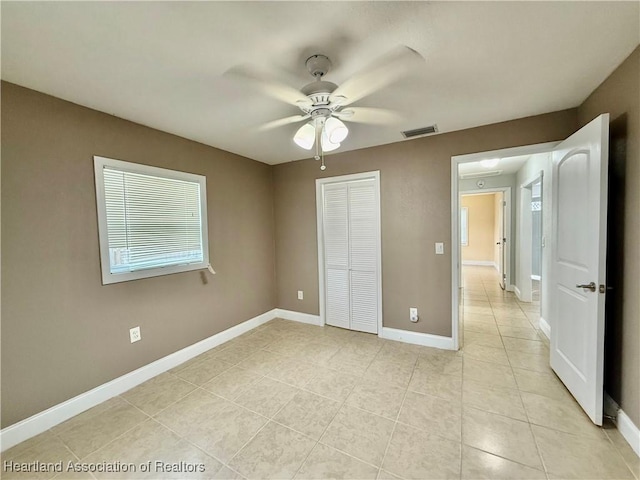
(289, 400)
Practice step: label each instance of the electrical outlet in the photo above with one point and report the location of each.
(134, 334)
(300, 295)
(439, 248)
(413, 314)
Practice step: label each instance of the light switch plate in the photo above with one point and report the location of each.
(439, 248)
(300, 295)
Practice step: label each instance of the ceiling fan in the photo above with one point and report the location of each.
(324, 104)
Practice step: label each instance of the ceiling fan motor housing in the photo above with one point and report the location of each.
(319, 91)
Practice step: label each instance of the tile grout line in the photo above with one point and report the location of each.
(64, 444)
(278, 423)
(183, 437)
(227, 464)
(395, 423)
(323, 432)
(523, 407)
(116, 438)
(344, 402)
(272, 419)
(633, 474)
(526, 412)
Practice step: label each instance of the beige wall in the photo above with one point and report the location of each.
(481, 214)
(619, 96)
(415, 178)
(63, 332)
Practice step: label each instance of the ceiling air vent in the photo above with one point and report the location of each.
(420, 131)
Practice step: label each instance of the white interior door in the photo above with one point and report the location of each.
(579, 216)
(351, 245)
(336, 254)
(363, 235)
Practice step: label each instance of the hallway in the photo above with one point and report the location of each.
(532, 415)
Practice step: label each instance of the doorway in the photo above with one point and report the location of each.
(484, 230)
(486, 172)
(531, 254)
(576, 281)
(536, 240)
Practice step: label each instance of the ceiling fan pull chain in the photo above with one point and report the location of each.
(322, 165)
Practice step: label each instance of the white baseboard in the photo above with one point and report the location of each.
(480, 263)
(535, 277)
(545, 327)
(299, 317)
(406, 336)
(625, 425)
(43, 421)
(629, 431)
(511, 288)
(517, 292)
(424, 339)
(610, 406)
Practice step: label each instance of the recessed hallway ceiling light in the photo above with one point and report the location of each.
(490, 163)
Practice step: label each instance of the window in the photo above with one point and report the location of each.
(464, 226)
(151, 221)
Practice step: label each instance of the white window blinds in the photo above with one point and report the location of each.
(155, 220)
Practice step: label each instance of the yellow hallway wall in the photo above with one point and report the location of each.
(481, 214)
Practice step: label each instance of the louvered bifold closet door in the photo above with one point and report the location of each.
(336, 255)
(363, 235)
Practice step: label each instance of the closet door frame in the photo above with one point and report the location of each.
(320, 183)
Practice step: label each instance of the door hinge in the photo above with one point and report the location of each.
(504, 204)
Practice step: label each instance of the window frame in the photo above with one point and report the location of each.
(99, 164)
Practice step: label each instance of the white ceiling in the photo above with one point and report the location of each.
(161, 63)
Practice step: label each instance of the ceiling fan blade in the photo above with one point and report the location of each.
(268, 84)
(282, 122)
(378, 116)
(379, 74)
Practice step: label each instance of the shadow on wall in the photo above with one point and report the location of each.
(615, 256)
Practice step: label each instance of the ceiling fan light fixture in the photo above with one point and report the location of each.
(326, 143)
(489, 163)
(305, 137)
(336, 130)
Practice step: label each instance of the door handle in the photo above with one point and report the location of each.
(591, 286)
